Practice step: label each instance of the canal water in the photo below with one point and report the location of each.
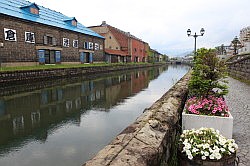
(67, 124)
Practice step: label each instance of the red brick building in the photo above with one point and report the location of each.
(31, 35)
(121, 46)
(138, 51)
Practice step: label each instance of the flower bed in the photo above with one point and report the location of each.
(211, 105)
(209, 112)
(205, 146)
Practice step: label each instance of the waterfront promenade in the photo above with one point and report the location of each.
(238, 100)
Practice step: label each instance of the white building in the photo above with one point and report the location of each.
(245, 40)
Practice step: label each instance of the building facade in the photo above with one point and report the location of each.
(31, 35)
(245, 40)
(154, 56)
(121, 46)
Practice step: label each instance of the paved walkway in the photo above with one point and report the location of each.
(238, 101)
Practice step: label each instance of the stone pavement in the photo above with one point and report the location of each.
(238, 101)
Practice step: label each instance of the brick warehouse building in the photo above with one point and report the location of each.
(32, 34)
(121, 46)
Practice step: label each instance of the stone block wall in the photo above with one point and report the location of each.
(26, 76)
(239, 67)
(147, 142)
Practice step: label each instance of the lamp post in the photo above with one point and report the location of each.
(202, 31)
(236, 44)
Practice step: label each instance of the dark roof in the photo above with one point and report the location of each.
(16, 8)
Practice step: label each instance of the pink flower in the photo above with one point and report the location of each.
(209, 106)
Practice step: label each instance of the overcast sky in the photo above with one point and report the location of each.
(163, 23)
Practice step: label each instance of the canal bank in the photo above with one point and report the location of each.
(150, 139)
(26, 76)
(11, 88)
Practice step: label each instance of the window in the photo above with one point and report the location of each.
(74, 23)
(49, 40)
(34, 11)
(117, 48)
(65, 42)
(110, 37)
(96, 46)
(10, 34)
(135, 49)
(86, 45)
(91, 46)
(101, 47)
(75, 43)
(29, 37)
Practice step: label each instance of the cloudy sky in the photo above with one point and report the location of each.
(163, 23)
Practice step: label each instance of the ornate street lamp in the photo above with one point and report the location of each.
(202, 31)
(236, 44)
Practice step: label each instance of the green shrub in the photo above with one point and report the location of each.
(208, 76)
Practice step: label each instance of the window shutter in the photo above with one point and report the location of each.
(54, 41)
(58, 56)
(84, 45)
(87, 45)
(41, 56)
(45, 40)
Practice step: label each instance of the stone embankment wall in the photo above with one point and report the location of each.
(27, 76)
(239, 66)
(148, 141)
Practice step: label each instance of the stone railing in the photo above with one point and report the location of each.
(148, 141)
(239, 66)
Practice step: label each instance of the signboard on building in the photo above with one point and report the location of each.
(10, 34)
(29, 37)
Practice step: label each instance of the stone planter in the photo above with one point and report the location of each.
(223, 124)
(224, 161)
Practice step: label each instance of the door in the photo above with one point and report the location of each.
(52, 57)
(47, 59)
(87, 58)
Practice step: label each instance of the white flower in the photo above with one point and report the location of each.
(195, 149)
(205, 146)
(203, 157)
(206, 153)
(214, 146)
(211, 156)
(190, 157)
(188, 153)
(199, 145)
(217, 156)
(222, 150)
(235, 146)
(187, 145)
(231, 149)
(222, 140)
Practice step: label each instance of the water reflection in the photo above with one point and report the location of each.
(35, 116)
